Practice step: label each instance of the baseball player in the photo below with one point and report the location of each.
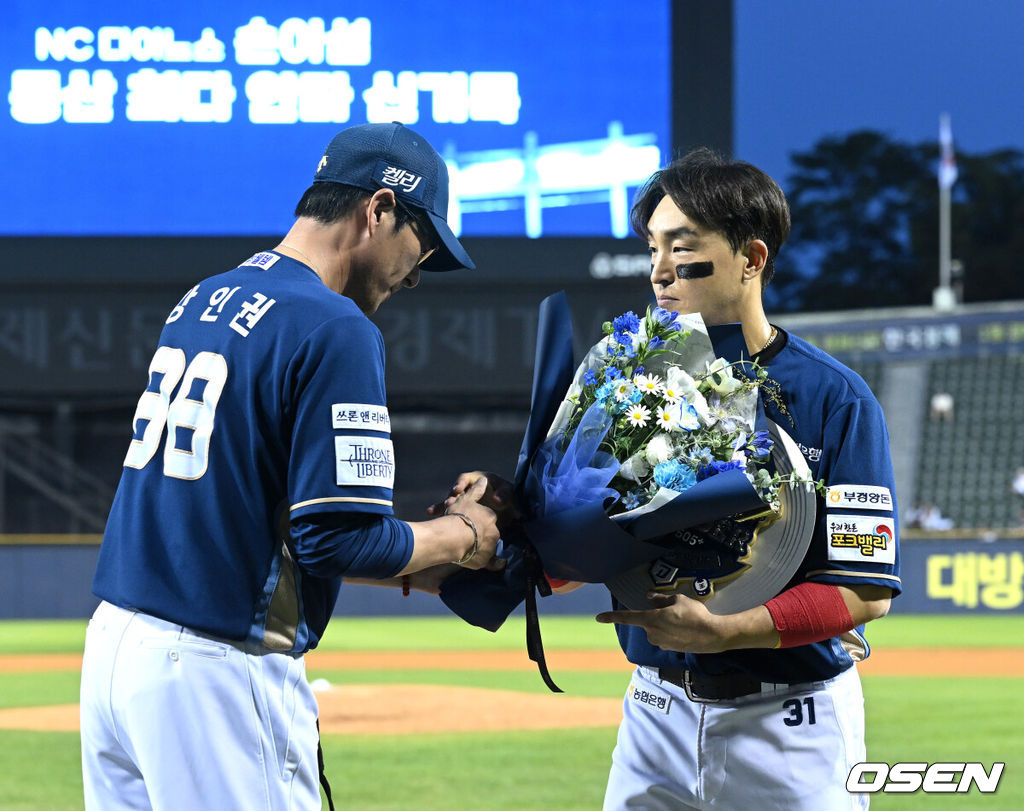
(761, 709)
(259, 476)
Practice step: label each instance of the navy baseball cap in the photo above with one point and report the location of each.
(392, 156)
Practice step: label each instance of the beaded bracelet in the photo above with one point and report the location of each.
(476, 540)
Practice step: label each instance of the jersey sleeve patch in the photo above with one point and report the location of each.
(362, 416)
(364, 460)
(865, 539)
(859, 497)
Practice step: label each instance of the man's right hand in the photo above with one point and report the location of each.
(498, 495)
(470, 501)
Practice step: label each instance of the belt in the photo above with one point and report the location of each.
(705, 689)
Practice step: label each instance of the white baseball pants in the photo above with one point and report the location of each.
(789, 750)
(174, 719)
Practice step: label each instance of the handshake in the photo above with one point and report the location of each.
(485, 502)
(463, 532)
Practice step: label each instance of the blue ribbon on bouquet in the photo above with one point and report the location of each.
(553, 371)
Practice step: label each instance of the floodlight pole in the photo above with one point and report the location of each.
(943, 297)
(945, 250)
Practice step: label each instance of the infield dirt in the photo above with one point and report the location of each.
(412, 708)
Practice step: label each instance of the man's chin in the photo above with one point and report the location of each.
(367, 307)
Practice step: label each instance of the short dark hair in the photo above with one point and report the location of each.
(730, 197)
(327, 202)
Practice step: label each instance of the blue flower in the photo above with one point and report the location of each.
(624, 329)
(699, 457)
(674, 475)
(626, 323)
(604, 391)
(630, 501)
(655, 343)
(667, 318)
(716, 467)
(612, 373)
(625, 349)
(590, 379)
(684, 416)
(689, 420)
(759, 446)
(627, 402)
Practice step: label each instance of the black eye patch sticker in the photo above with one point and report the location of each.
(695, 270)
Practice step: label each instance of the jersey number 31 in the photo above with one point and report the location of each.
(188, 417)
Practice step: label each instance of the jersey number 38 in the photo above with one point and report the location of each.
(187, 415)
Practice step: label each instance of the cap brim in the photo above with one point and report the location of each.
(450, 255)
(774, 554)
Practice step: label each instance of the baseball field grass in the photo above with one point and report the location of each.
(926, 715)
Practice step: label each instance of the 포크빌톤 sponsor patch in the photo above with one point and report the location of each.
(864, 538)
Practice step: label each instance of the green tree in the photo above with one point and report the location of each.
(865, 225)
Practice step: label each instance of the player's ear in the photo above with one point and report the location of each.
(756, 254)
(380, 206)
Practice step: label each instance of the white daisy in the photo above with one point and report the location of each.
(623, 388)
(648, 384)
(638, 415)
(667, 419)
(672, 394)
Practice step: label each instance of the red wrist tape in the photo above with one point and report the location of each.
(810, 612)
(555, 582)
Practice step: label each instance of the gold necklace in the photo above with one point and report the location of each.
(300, 253)
(769, 342)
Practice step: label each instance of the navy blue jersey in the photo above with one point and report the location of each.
(839, 426)
(264, 419)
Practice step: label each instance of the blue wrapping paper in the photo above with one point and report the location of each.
(565, 518)
(585, 544)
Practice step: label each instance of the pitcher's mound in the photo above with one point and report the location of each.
(401, 708)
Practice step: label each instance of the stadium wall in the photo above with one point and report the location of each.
(947, 575)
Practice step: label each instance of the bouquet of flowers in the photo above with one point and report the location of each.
(643, 473)
(658, 434)
(641, 410)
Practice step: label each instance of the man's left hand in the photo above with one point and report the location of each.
(680, 623)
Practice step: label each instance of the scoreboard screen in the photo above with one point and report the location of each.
(209, 119)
